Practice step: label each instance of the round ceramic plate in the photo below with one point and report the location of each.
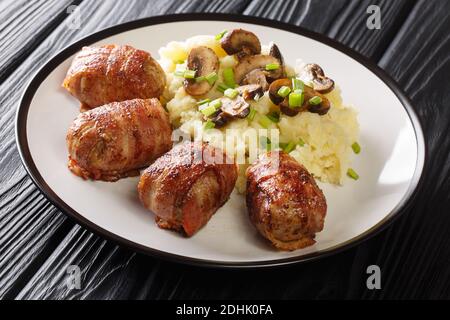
(390, 165)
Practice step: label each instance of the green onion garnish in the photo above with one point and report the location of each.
(295, 99)
(272, 66)
(266, 143)
(200, 79)
(352, 174)
(314, 101)
(274, 117)
(179, 73)
(289, 147)
(209, 125)
(208, 110)
(231, 93)
(265, 122)
(228, 77)
(211, 78)
(220, 35)
(216, 103)
(222, 87)
(203, 101)
(189, 74)
(356, 148)
(284, 91)
(251, 114)
(301, 143)
(297, 84)
(283, 145)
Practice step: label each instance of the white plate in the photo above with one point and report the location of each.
(390, 165)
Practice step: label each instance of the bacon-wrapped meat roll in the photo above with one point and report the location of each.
(187, 185)
(284, 202)
(114, 140)
(100, 75)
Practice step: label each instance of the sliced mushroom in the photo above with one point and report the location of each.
(204, 61)
(256, 77)
(275, 86)
(321, 109)
(241, 42)
(275, 52)
(219, 120)
(259, 61)
(235, 108)
(251, 91)
(314, 73)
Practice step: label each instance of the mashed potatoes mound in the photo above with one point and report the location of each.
(323, 142)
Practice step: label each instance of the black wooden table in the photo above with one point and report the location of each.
(38, 242)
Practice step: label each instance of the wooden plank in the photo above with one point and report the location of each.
(30, 230)
(342, 20)
(34, 20)
(419, 60)
(112, 272)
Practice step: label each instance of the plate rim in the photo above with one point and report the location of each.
(66, 52)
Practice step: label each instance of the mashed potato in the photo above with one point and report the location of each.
(323, 143)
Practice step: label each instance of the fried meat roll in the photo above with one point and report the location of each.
(100, 75)
(285, 204)
(115, 140)
(184, 188)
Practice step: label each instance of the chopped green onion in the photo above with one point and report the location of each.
(265, 122)
(211, 78)
(209, 125)
(231, 93)
(283, 145)
(297, 84)
(203, 101)
(301, 143)
(289, 147)
(251, 114)
(356, 148)
(284, 91)
(216, 103)
(208, 110)
(189, 74)
(200, 79)
(179, 73)
(228, 77)
(314, 101)
(222, 87)
(272, 66)
(220, 35)
(274, 117)
(266, 143)
(352, 174)
(296, 99)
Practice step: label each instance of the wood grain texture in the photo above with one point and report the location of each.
(113, 272)
(35, 20)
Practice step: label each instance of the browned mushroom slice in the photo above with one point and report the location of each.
(314, 73)
(259, 61)
(251, 91)
(241, 42)
(321, 109)
(219, 120)
(257, 77)
(203, 61)
(275, 52)
(275, 86)
(235, 108)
